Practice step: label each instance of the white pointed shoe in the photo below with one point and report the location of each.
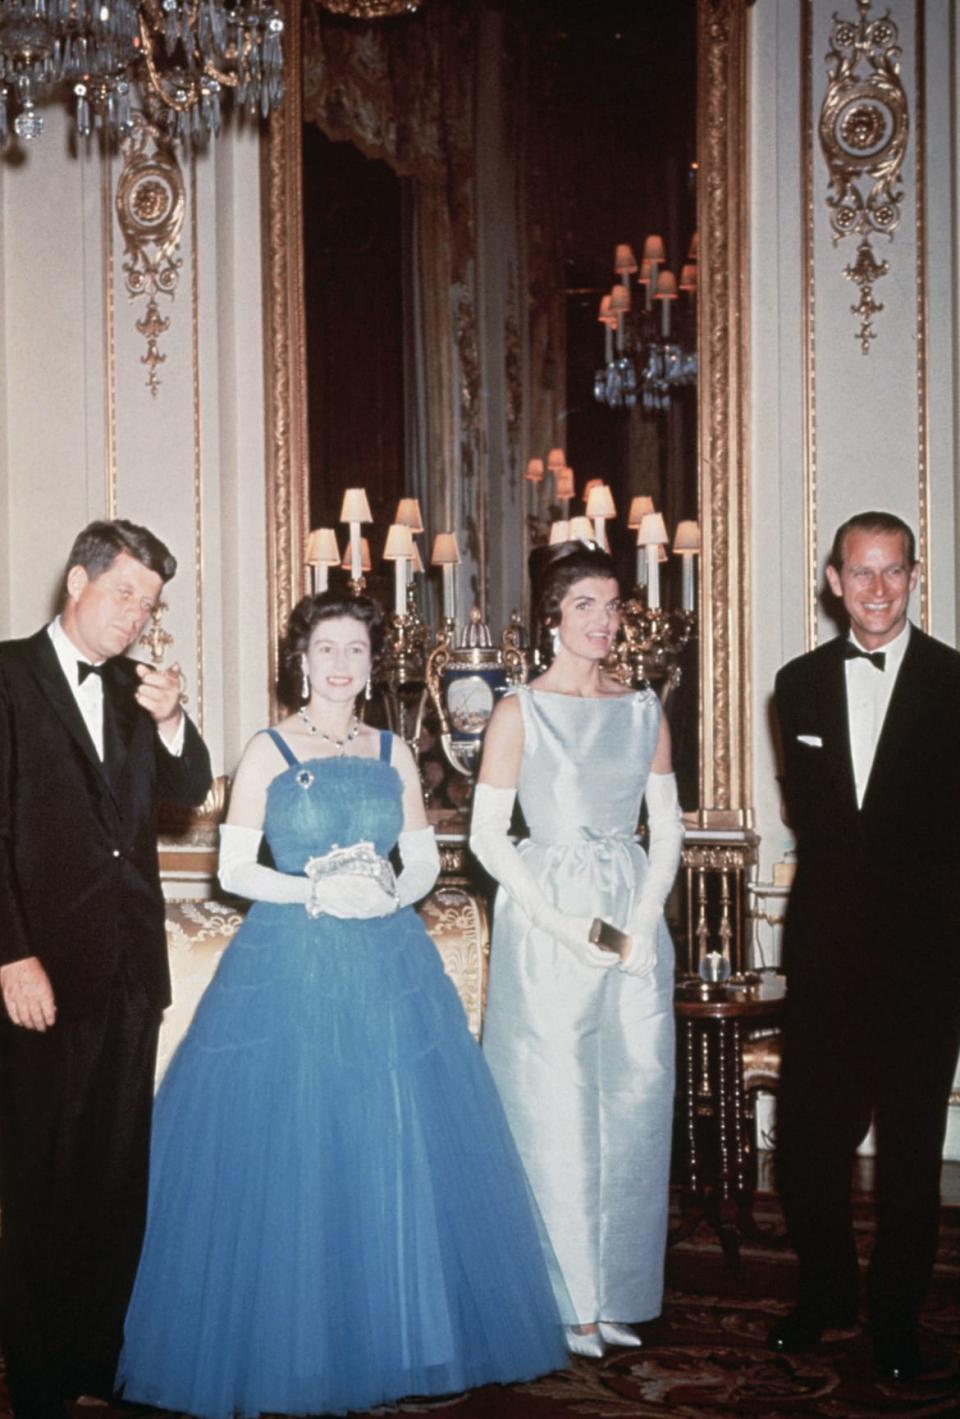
(616, 1334)
(589, 1343)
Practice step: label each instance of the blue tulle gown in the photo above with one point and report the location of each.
(338, 1215)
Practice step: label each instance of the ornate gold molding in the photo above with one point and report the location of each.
(197, 437)
(150, 206)
(723, 326)
(285, 349)
(809, 275)
(723, 394)
(923, 385)
(109, 336)
(863, 135)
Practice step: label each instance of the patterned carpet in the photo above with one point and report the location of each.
(705, 1357)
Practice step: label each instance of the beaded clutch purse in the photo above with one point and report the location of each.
(357, 860)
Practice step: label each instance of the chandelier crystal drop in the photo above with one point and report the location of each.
(182, 56)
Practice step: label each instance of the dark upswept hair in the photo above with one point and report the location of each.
(97, 547)
(872, 522)
(304, 619)
(553, 570)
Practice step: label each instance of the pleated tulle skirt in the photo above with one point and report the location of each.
(338, 1215)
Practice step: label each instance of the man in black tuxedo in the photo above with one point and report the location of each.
(90, 742)
(870, 729)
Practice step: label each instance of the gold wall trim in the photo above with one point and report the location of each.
(723, 394)
(197, 437)
(923, 383)
(810, 528)
(286, 417)
(723, 330)
(109, 337)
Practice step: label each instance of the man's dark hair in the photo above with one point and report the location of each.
(97, 547)
(304, 619)
(873, 522)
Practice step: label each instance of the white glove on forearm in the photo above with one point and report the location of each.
(349, 896)
(421, 865)
(241, 873)
(666, 840)
(491, 845)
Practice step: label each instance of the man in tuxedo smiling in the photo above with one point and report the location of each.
(90, 742)
(870, 731)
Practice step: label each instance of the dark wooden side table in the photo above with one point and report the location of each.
(718, 1166)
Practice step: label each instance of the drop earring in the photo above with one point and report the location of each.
(367, 691)
(304, 683)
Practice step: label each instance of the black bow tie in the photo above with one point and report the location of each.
(84, 668)
(877, 658)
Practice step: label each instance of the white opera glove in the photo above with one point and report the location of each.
(421, 865)
(241, 873)
(666, 840)
(347, 896)
(491, 845)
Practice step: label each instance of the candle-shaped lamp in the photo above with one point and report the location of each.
(408, 515)
(688, 279)
(652, 535)
(534, 471)
(559, 531)
(639, 507)
(600, 506)
(399, 550)
(654, 252)
(582, 528)
(365, 563)
(624, 261)
(322, 553)
(666, 292)
(556, 459)
(355, 510)
(446, 554)
(609, 323)
(619, 306)
(565, 487)
(686, 544)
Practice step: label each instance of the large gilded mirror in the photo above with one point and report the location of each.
(452, 446)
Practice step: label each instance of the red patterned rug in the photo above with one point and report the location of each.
(705, 1357)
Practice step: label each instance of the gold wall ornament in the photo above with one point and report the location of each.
(863, 128)
(150, 204)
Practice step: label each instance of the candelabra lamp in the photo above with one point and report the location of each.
(650, 645)
(466, 678)
(401, 677)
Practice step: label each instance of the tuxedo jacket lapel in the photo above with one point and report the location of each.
(119, 715)
(832, 697)
(48, 671)
(905, 705)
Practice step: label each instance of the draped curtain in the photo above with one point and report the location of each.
(443, 97)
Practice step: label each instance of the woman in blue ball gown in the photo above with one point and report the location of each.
(338, 1216)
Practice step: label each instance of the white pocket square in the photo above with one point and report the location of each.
(813, 740)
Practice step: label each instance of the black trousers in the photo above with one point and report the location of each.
(893, 1062)
(75, 1110)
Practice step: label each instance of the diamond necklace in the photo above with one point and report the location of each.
(339, 744)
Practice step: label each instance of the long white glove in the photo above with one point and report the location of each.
(421, 865)
(342, 894)
(666, 840)
(241, 873)
(490, 842)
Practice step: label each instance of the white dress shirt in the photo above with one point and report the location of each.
(89, 695)
(868, 695)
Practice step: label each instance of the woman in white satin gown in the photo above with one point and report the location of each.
(580, 1040)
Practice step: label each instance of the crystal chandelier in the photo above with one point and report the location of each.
(371, 9)
(655, 353)
(181, 55)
